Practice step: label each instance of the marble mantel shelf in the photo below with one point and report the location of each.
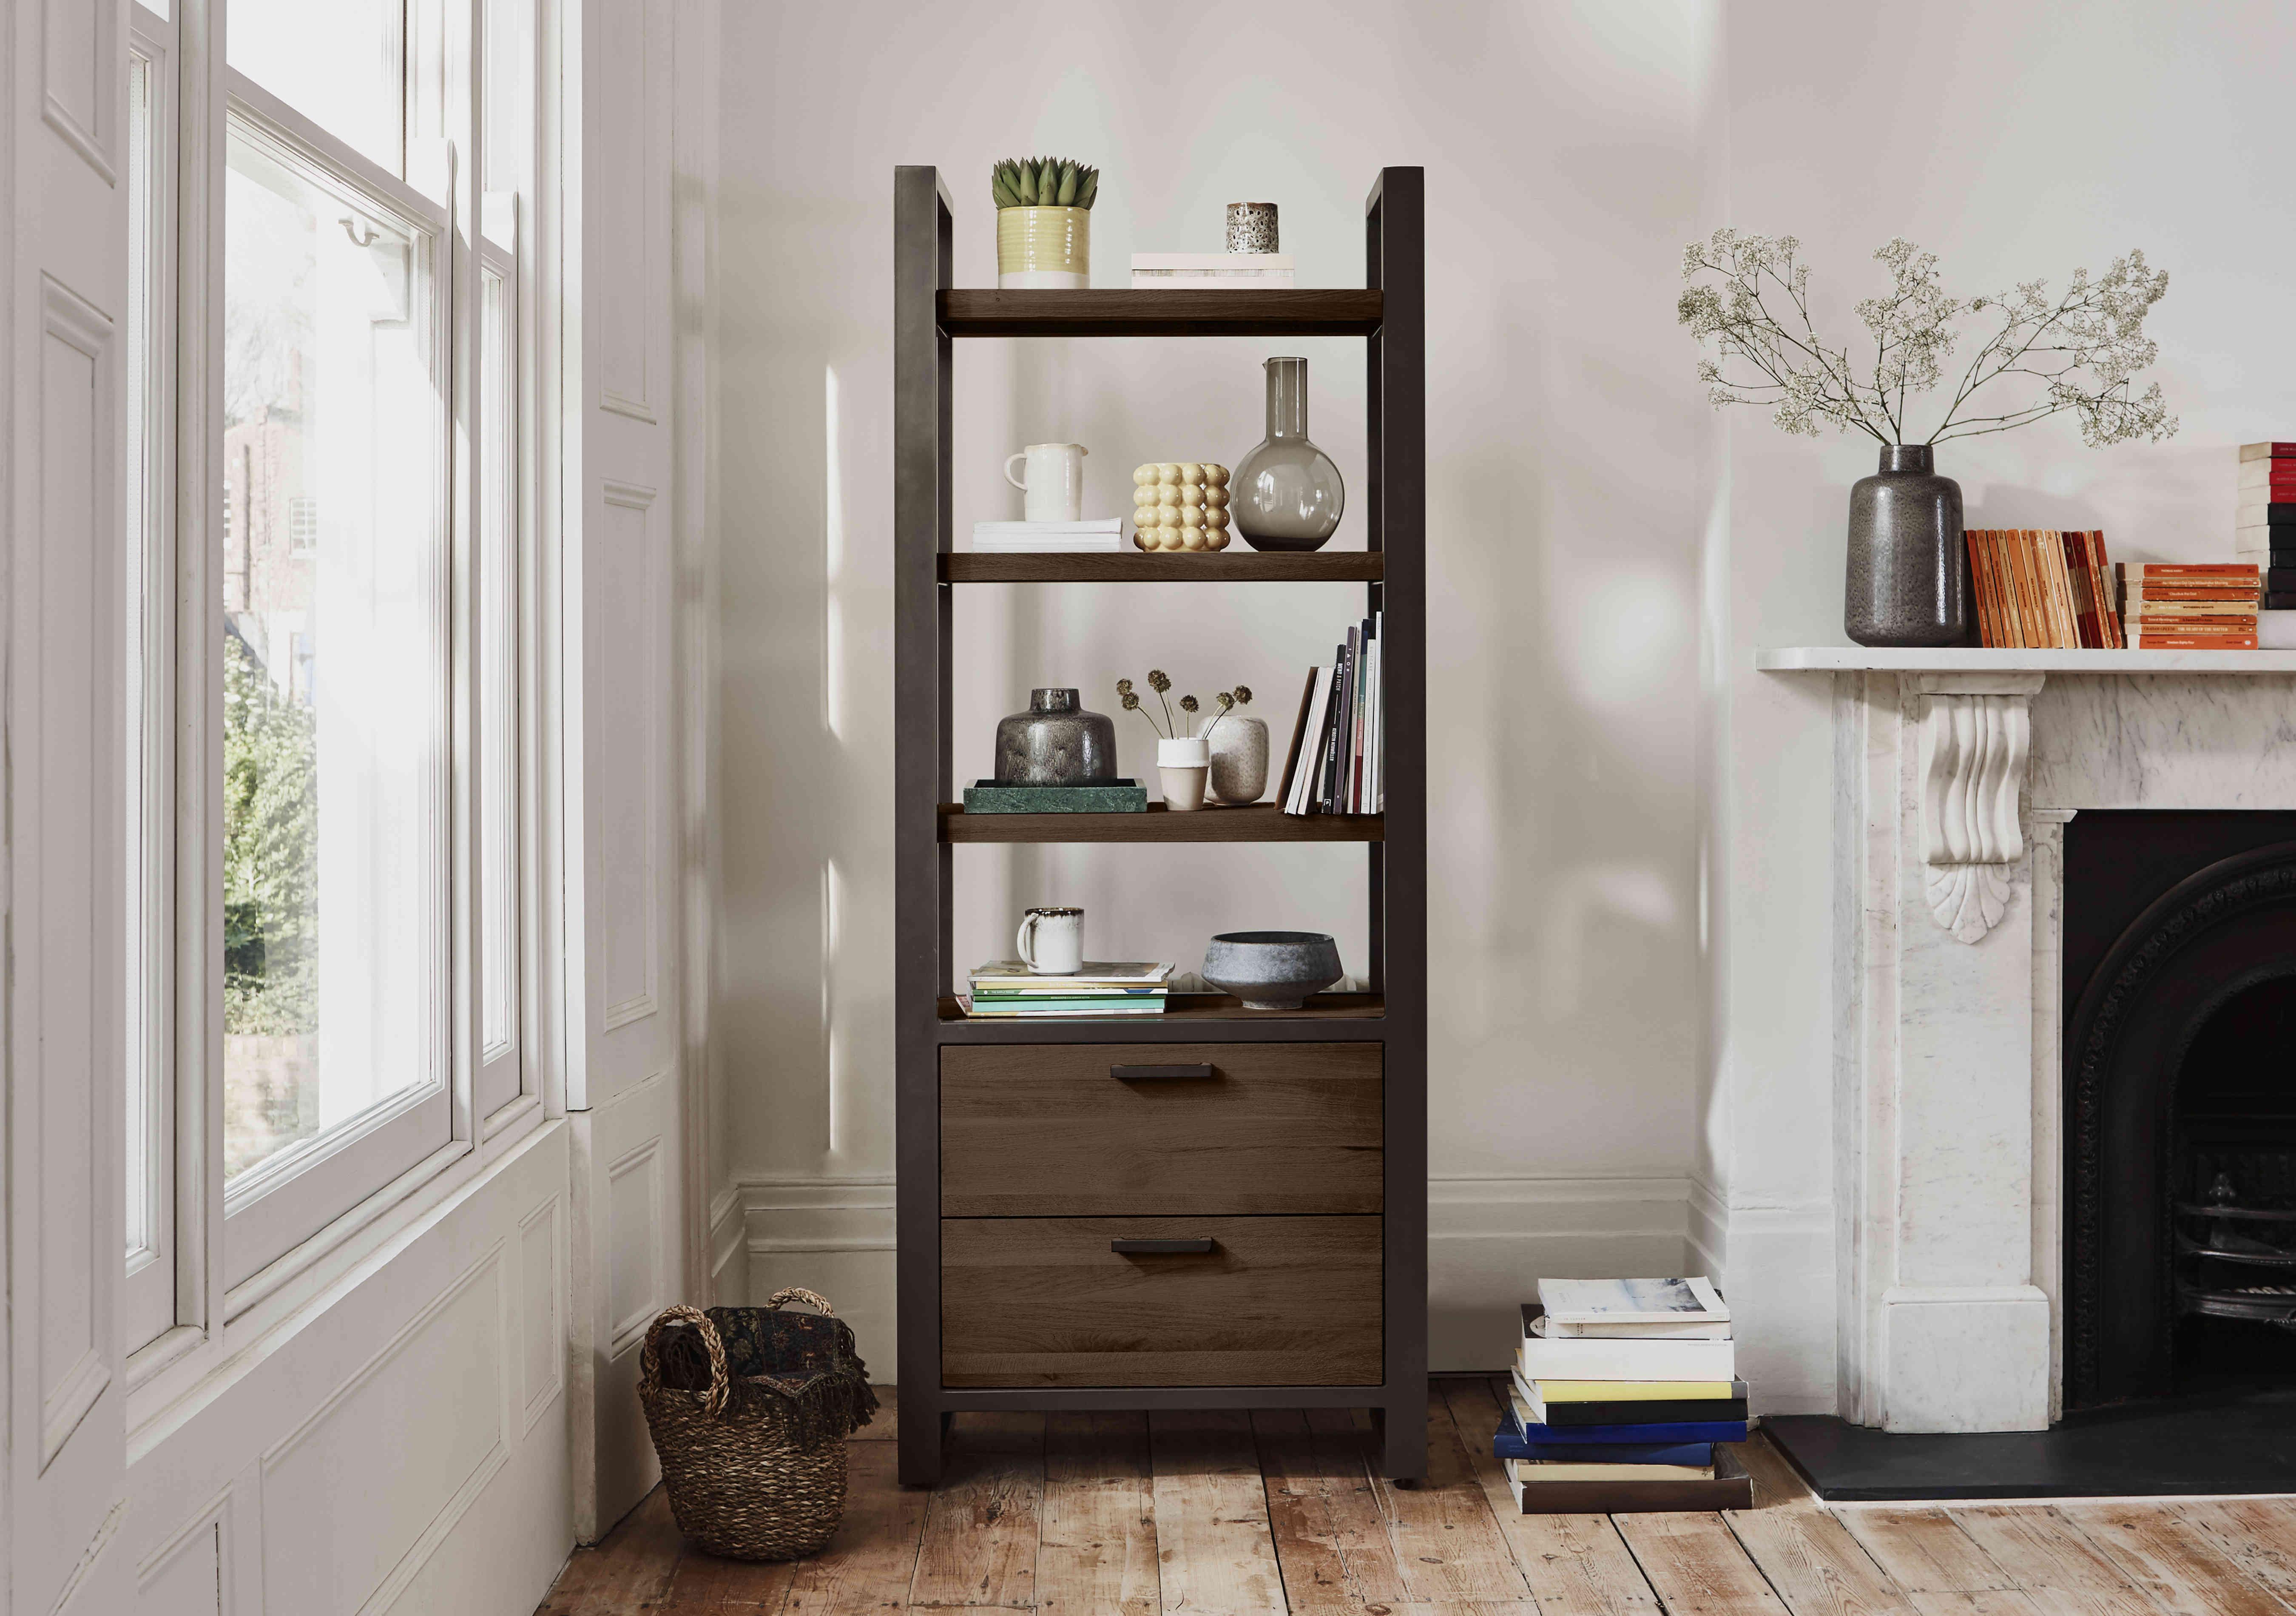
(1970, 659)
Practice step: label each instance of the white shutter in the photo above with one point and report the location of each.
(63, 267)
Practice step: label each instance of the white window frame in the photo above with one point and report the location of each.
(245, 1257)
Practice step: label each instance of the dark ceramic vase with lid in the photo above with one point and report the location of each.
(1908, 577)
(1055, 743)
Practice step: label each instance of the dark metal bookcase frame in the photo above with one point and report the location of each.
(1390, 315)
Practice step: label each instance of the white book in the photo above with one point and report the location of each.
(1082, 544)
(1227, 263)
(1102, 535)
(1049, 529)
(1148, 281)
(1579, 1358)
(1530, 1472)
(1598, 1301)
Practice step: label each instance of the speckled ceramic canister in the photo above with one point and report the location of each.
(1909, 579)
(1055, 743)
(1239, 759)
(1252, 227)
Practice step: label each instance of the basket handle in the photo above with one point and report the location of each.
(799, 1294)
(649, 1358)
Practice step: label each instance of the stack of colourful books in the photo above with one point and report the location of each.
(1008, 989)
(2041, 589)
(2264, 535)
(1621, 1389)
(2188, 606)
(1337, 761)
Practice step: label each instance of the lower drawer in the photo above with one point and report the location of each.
(1273, 1302)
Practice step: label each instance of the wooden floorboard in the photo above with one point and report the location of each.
(1576, 1565)
(2168, 1555)
(981, 1530)
(1096, 1552)
(1447, 1537)
(1696, 1567)
(2048, 1558)
(1215, 1551)
(1081, 1514)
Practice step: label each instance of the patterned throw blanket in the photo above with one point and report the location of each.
(805, 1359)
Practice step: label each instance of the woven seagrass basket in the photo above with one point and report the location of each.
(750, 1409)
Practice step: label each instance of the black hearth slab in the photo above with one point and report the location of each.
(2145, 1450)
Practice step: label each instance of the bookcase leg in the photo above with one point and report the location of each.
(1403, 1443)
(921, 1442)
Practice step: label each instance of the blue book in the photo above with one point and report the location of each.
(1666, 1435)
(1508, 1445)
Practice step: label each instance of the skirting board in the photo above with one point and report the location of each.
(1488, 1240)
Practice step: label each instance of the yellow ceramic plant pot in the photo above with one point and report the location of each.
(1039, 247)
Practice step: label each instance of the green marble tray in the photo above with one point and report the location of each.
(1111, 797)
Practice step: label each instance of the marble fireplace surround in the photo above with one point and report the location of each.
(1954, 773)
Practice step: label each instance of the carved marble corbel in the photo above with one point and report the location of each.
(1976, 734)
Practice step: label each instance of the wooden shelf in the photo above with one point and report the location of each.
(1328, 1017)
(1236, 566)
(1252, 822)
(1121, 313)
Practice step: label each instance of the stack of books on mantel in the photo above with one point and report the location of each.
(1337, 763)
(1621, 1389)
(2040, 589)
(1008, 989)
(2184, 607)
(1211, 271)
(1096, 534)
(2264, 534)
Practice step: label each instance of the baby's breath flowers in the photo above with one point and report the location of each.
(2084, 347)
(1184, 726)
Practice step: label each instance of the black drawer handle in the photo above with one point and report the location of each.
(1141, 1074)
(1160, 1248)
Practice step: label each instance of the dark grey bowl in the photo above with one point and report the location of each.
(1272, 970)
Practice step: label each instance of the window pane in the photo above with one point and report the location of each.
(335, 955)
(145, 830)
(497, 643)
(341, 63)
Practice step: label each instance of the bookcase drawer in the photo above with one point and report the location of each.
(1091, 1301)
(1080, 1129)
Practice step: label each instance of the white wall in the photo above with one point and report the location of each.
(2015, 140)
(1562, 436)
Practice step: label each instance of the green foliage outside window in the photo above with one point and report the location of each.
(270, 853)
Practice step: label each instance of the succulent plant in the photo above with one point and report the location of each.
(1043, 182)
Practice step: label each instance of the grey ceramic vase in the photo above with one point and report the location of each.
(1909, 582)
(1055, 743)
(1287, 494)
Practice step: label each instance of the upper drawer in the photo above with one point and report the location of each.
(1067, 1130)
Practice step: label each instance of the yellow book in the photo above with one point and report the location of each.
(1633, 1391)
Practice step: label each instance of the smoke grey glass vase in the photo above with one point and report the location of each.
(1287, 495)
(1909, 582)
(1055, 743)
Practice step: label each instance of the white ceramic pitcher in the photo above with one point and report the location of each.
(1054, 486)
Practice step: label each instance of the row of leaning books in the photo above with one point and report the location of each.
(1338, 757)
(1620, 1391)
(1007, 987)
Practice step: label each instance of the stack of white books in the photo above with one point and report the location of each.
(1168, 271)
(1048, 538)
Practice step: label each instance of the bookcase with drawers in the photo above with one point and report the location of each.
(1214, 1208)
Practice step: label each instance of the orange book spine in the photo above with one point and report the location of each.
(2074, 548)
(2194, 642)
(2107, 600)
(1988, 631)
(2061, 589)
(2037, 636)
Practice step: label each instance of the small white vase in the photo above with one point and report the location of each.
(1239, 764)
(1181, 766)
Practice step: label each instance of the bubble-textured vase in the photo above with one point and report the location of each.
(1287, 495)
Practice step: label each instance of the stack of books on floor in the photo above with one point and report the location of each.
(1621, 1389)
(2040, 589)
(1008, 989)
(1211, 271)
(1337, 764)
(1098, 534)
(2186, 606)
(2264, 535)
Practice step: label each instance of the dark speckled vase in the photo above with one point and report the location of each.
(1909, 582)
